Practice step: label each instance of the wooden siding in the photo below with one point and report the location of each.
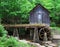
(39, 11)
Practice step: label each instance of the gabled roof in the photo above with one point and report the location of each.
(39, 6)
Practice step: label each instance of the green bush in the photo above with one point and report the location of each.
(3, 32)
(12, 42)
(53, 24)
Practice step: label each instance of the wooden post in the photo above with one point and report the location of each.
(15, 33)
(31, 34)
(36, 36)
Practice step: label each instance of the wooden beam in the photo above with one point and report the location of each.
(24, 25)
(36, 36)
(15, 33)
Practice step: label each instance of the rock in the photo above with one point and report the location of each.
(24, 41)
(47, 42)
(36, 44)
(52, 44)
(31, 43)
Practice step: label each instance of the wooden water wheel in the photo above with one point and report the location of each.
(44, 34)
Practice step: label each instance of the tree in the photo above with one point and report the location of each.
(9, 8)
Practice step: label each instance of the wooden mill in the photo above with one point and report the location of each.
(40, 15)
(39, 22)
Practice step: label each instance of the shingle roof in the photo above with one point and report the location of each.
(39, 6)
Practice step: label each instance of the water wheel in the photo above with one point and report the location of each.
(44, 34)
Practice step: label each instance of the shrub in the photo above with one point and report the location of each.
(3, 32)
(12, 42)
(53, 24)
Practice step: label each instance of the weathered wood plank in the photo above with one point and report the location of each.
(25, 25)
(15, 33)
(36, 36)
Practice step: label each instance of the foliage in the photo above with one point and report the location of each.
(12, 42)
(22, 8)
(3, 32)
(53, 24)
(55, 30)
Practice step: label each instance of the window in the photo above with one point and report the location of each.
(39, 17)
